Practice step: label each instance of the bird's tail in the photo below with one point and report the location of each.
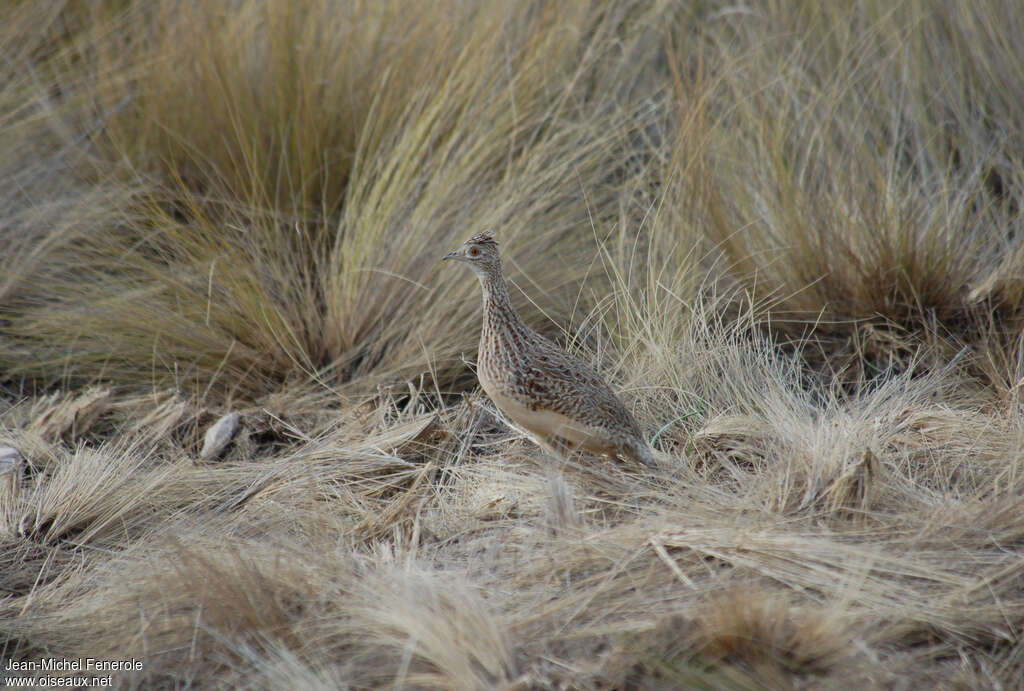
(642, 452)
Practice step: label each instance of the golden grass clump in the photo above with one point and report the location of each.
(864, 182)
(788, 234)
(267, 234)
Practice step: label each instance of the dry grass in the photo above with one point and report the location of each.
(790, 234)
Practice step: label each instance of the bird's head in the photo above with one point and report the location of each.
(480, 252)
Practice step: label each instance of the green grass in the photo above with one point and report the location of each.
(789, 234)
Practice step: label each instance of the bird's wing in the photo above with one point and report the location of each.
(565, 384)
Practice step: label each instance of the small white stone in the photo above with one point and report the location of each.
(10, 459)
(11, 465)
(218, 436)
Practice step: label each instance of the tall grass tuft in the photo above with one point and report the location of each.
(289, 179)
(860, 175)
(788, 234)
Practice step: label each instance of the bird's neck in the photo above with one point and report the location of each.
(495, 290)
(498, 309)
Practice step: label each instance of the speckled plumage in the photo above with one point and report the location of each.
(559, 400)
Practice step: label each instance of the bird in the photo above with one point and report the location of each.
(558, 400)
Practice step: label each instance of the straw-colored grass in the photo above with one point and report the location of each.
(789, 234)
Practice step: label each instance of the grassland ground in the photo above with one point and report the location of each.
(790, 235)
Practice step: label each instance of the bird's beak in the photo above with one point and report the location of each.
(451, 255)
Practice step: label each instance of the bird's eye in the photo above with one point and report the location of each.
(474, 251)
